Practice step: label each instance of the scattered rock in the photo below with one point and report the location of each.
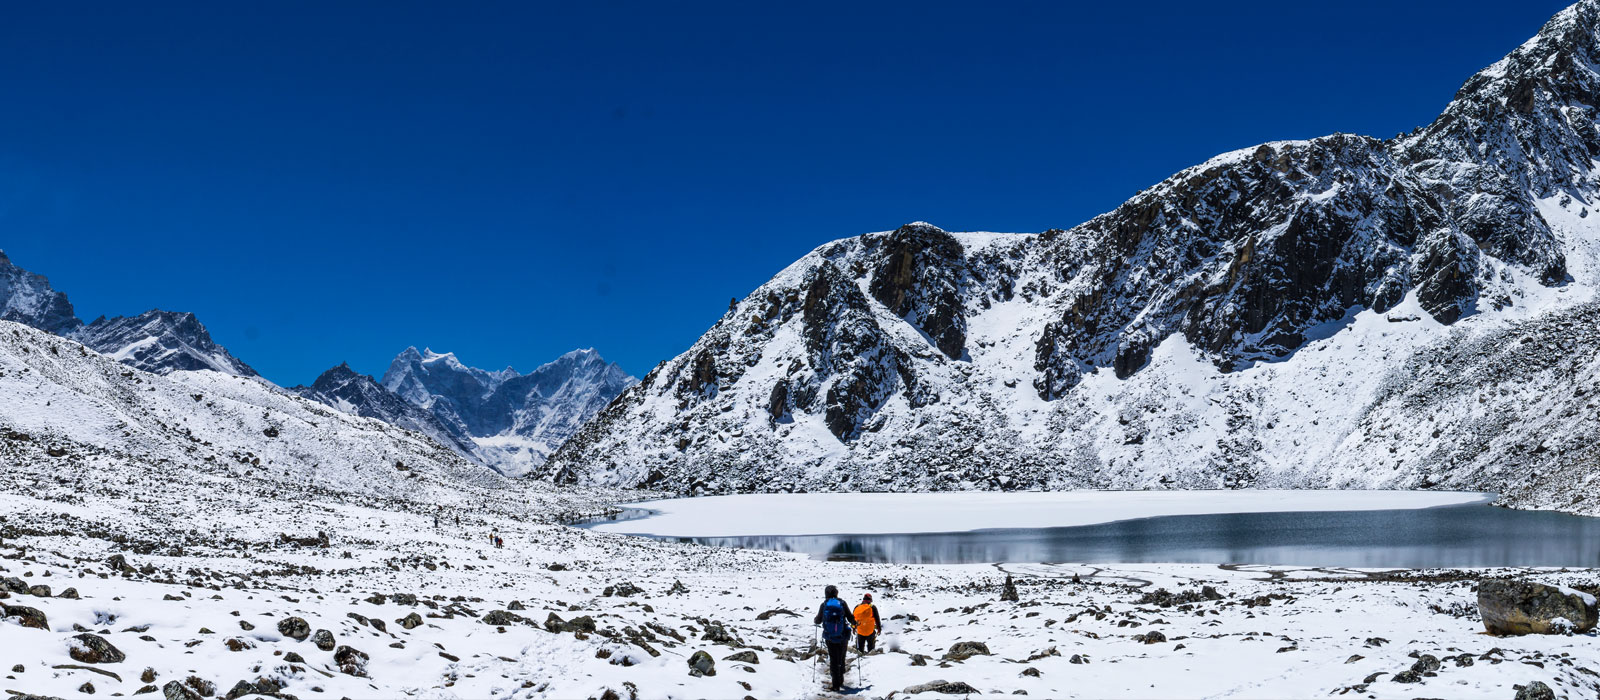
(295, 628)
(1535, 691)
(961, 651)
(942, 686)
(701, 664)
(174, 690)
(323, 640)
(94, 649)
(502, 618)
(780, 611)
(1151, 637)
(69, 594)
(410, 622)
(351, 661)
(745, 656)
(26, 616)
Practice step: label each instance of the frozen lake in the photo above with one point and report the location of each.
(1305, 528)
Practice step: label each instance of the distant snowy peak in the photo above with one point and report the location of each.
(515, 419)
(358, 394)
(27, 298)
(61, 401)
(1251, 320)
(161, 342)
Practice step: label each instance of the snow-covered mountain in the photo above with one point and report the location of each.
(361, 395)
(514, 420)
(1343, 311)
(161, 342)
(66, 403)
(155, 341)
(27, 298)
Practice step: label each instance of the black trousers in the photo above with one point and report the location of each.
(836, 651)
(866, 643)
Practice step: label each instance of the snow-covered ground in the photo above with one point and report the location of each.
(891, 513)
(205, 592)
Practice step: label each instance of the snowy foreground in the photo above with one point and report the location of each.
(210, 572)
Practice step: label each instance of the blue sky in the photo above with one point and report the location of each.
(327, 182)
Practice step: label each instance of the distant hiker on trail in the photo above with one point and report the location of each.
(836, 626)
(867, 625)
(499, 542)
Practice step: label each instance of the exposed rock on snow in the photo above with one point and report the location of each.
(1291, 315)
(1525, 607)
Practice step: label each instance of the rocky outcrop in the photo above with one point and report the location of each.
(1525, 607)
(160, 342)
(27, 298)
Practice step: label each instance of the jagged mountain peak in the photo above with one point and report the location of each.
(161, 342)
(27, 298)
(1275, 290)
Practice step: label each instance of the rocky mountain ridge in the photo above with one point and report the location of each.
(515, 420)
(1245, 322)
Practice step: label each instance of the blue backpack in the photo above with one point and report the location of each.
(834, 627)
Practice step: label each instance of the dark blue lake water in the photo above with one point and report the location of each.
(1447, 536)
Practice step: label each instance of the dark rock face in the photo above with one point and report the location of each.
(160, 342)
(918, 277)
(27, 298)
(1524, 607)
(845, 342)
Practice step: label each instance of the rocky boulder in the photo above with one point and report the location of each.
(295, 628)
(94, 649)
(351, 661)
(942, 686)
(1525, 607)
(25, 616)
(961, 651)
(701, 664)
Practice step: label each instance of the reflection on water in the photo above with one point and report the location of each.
(1466, 535)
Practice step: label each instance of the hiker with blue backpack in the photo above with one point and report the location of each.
(837, 626)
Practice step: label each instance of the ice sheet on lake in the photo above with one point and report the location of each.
(894, 513)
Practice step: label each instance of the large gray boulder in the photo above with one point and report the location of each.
(1525, 607)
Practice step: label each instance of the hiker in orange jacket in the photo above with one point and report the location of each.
(867, 625)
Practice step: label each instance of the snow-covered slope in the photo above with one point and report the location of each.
(161, 342)
(1341, 311)
(514, 419)
(27, 298)
(65, 403)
